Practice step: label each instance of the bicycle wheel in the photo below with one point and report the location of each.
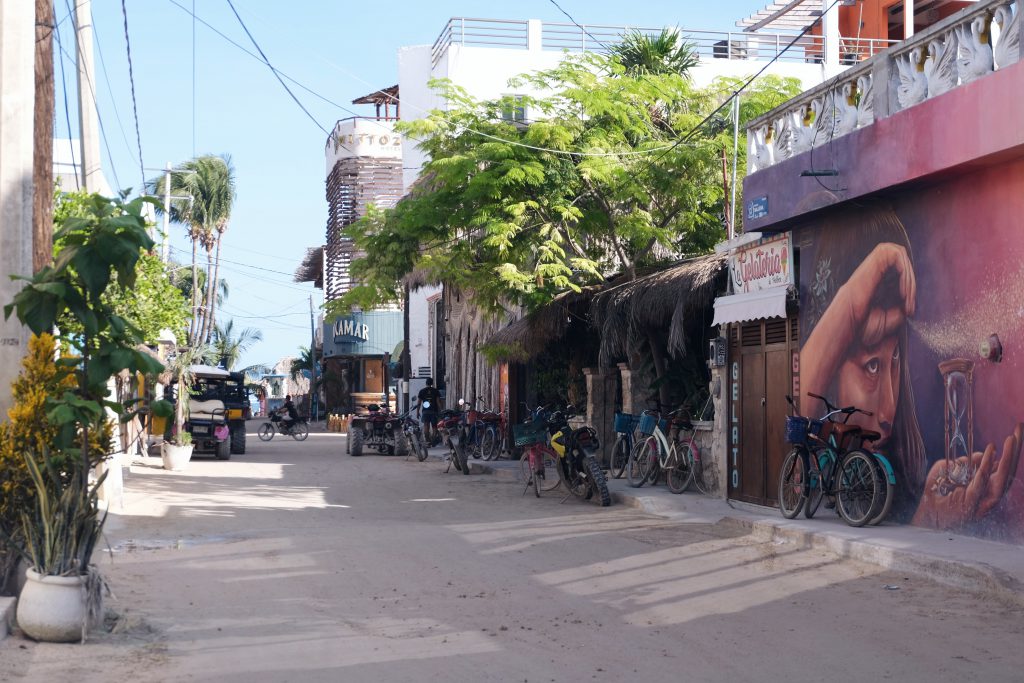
(639, 462)
(266, 432)
(888, 493)
(300, 430)
(550, 480)
(537, 479)
(419, 446)
(793, 484)
(680, 467)
(859, 491)
(620, 457)
(819, 473)
(489, 443)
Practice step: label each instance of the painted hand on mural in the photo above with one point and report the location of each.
(964, 505)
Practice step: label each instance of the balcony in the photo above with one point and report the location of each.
(950, 54)
(535, 35)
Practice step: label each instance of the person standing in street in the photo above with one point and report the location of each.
(427, 410)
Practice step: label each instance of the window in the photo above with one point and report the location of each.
(513, 109)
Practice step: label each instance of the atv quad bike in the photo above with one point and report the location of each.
(377, 429)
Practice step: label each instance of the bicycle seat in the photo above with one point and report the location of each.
(868, 435)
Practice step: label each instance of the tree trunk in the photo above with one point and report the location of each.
(193, 332)
(659, 356)
(211, 291)
(42, 172)
(212, 312)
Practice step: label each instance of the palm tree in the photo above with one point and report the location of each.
(227, 348)
(666, 53)
(205, 187)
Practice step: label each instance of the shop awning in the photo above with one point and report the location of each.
(767, 303)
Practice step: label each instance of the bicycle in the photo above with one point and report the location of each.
(625, 429)
(820, 466)
(658, 453)
(538, 457)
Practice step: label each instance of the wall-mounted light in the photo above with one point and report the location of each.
(991, 349)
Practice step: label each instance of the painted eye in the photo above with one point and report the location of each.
(872, 367)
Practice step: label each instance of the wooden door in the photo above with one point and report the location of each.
(761, 374)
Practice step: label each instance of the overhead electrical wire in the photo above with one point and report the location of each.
(131, 79)
(110, 90)
(99, 119)
(67, 110)
(272, 69)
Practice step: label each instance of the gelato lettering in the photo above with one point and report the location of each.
(347, 329)
(767, 263)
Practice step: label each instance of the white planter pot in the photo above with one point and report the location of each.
(175, 457)
(52, 608)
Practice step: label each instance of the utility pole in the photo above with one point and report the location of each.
(312, 361)
(42, 171)
(17, 120)
(92, 170)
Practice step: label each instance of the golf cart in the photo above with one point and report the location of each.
(218, 409)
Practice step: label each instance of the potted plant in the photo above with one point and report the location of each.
(96, 249)
(178, 450)
(63, 592)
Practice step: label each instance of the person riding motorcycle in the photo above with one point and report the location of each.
(427, 410)
(289, 413)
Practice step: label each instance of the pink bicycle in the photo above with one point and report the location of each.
(539, 462)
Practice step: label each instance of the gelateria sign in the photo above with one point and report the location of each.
(763, 264)
(349, 330)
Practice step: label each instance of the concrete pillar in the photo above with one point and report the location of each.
(17, 111)
(602, 384)
(719, 450)
(626, 379)
(535, 35)
(908, 19)
(830, 31)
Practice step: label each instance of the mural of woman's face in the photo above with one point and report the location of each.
(869, 379)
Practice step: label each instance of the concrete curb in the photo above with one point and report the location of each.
(6, 616)
(958, 572)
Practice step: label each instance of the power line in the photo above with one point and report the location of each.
(67, 110)
(257, 58)
(95, 101)
(131, 79)
(110, 89)
(271, 67)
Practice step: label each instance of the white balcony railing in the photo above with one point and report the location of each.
(514, 34)
(963, 47)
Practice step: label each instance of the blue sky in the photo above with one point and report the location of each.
(225, 101)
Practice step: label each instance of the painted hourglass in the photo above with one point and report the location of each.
(959, 417)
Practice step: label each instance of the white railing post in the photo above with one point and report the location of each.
(462, 31)
(534, 35)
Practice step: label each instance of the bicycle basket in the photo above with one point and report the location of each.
(625, 423)
(647, 422)
(529, 433)
(798, 427)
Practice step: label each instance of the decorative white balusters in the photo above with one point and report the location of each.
(1007, 47)
(940, 65)
(913, 86)
(760, 154)
(974, 49)
(866, 100)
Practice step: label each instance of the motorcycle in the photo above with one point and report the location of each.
(577, 450)
(450, 426)
(414, 436)
(298, 429)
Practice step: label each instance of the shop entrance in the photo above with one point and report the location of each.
(761, 373)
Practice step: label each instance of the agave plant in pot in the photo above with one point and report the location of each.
(61, 531)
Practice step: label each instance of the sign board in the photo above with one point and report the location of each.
(349, 330)
(357, 137)
(763, 264)
(757, 208)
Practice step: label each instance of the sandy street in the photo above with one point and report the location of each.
(296, 562)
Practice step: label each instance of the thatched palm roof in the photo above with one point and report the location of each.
(312, 267)
(529, 336)
(672, 296)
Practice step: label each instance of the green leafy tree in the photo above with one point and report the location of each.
(618, 172)
(205, 191)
